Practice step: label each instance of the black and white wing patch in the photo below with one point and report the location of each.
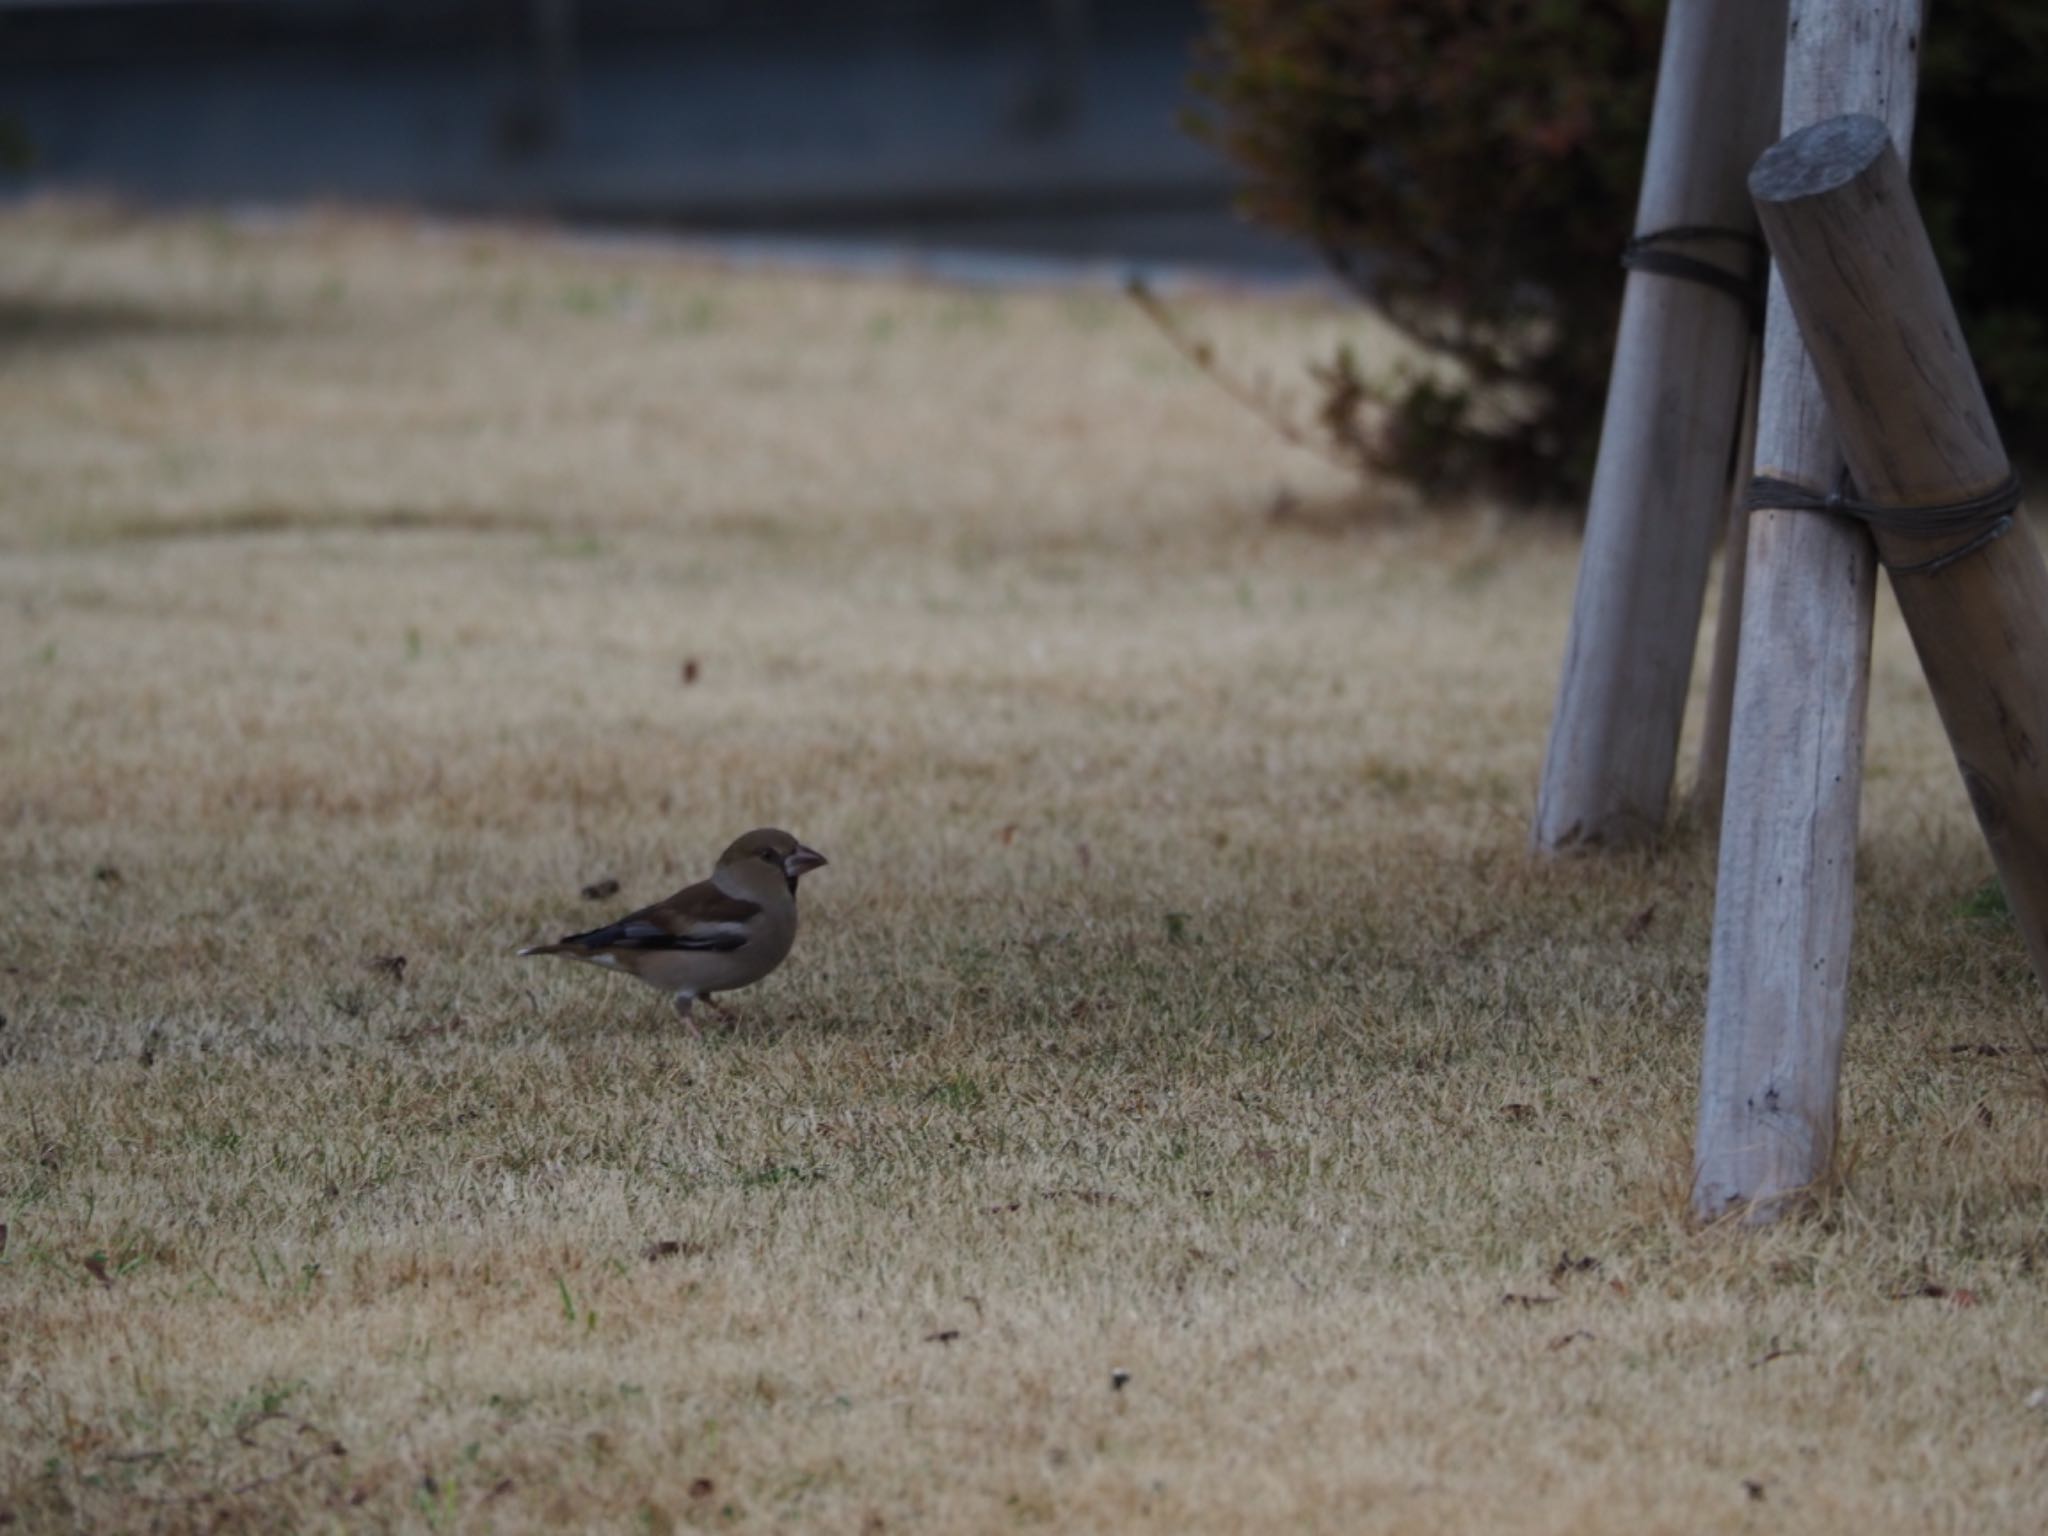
(700, 918)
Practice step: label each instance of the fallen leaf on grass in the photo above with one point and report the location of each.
(96, 1266)
(1927, 1289)
(453, 1023)
(1518, 1111)
(106, 874)
(1633, 930)
(1469, 944)
(668, 1248)
(1753, 1488)
(389, 965)
(1584, 1264)
(598, 890)
(691, 671)
(702, 1488)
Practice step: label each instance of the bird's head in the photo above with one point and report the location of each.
(772, 845)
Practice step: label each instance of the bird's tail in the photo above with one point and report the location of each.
(548, 949)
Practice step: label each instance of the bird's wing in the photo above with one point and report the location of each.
(699, 916)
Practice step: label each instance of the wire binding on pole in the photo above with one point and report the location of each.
(1980, 520)
(1647, 253)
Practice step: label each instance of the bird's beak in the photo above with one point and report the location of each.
(802, 862)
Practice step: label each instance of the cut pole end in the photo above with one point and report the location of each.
(1821, 158)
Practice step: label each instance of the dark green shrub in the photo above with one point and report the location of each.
(16, 152)
(1472, 168)
(1980, 177)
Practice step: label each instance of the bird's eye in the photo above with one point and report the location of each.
(771, 856)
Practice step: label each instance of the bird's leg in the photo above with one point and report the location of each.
(683, 1002)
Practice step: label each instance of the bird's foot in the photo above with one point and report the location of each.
(684, 1012)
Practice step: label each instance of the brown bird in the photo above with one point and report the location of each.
(715, 936)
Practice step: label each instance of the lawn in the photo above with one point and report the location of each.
(1189, 1106)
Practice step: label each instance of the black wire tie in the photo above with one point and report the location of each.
(1981, 520)
(1647, 253)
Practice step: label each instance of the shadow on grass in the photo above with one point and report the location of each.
(58, 320)
(237, 521)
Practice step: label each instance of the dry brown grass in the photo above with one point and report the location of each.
(1180, 1000)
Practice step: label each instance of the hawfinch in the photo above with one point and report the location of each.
(715, 936)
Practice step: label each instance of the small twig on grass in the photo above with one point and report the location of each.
(1203, 356)
(332, 1447)
(244, 1437)
(1777, 1352)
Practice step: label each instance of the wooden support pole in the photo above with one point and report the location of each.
(1673, 402)
(1915, 431)
(1861, 277)
(1784, 899)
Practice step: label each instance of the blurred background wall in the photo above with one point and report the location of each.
(1046, 126)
